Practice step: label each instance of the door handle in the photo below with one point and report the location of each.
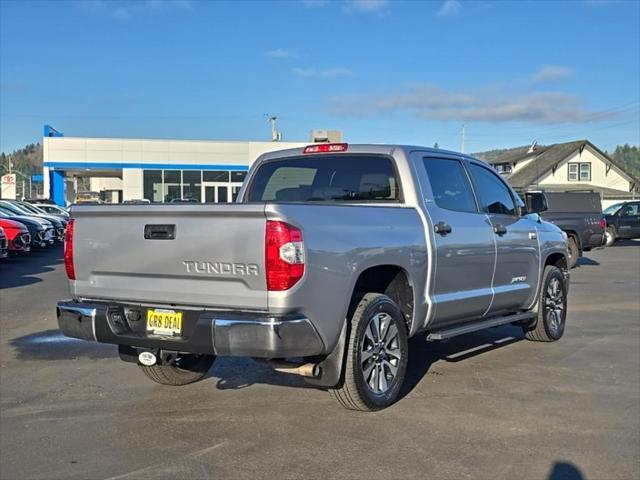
(499, 229)
(442, 228)
(159, 232)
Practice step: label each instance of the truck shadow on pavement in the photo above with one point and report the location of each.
(233, 373)
(586, 261)
(21, 270)
(53, 345)
(423, 355)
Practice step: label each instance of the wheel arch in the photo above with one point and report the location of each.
(557, 259)
(574, 234)
(391, 280)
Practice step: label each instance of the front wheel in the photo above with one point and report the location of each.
(376, 355)
(552, 308)
(186, 369)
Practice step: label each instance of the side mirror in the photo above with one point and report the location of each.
(536, 202)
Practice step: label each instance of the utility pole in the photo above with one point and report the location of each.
(276, 136)
(462, 138)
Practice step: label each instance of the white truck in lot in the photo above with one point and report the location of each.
(332, 258)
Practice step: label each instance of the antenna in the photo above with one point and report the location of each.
(462, 138)
(276, 136)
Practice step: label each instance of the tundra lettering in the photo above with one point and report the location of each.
(221, 268)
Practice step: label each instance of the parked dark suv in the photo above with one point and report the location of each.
(623, 221)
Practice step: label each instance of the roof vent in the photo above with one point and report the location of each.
(322, 136)
(533, 146)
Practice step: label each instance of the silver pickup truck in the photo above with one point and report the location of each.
(332, 258)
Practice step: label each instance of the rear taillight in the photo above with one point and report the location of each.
(284, 255)
(326, 148)
(68, 251)
(603, 223)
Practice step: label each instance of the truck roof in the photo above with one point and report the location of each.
(383, 149)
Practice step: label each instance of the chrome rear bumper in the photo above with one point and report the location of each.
(223, 333)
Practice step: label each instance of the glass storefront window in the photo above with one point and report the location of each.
(165, 185)
(191, 184)
(215, 176)
(238, 176)
(172, 183)
(152, 185)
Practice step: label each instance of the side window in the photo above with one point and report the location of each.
(493, 194)
(450, 185)
(631, 209)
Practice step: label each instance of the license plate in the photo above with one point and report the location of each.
(164, 322)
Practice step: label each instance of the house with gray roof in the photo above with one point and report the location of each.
(578, 165)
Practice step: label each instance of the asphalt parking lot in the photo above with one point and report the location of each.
(489, 405)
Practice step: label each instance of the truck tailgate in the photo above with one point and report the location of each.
(213, 258)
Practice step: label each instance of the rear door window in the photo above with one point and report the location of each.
(494, 196)
(326, 178)
(450, 185)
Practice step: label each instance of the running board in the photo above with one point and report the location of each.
(475, 326)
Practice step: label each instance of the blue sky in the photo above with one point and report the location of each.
(380, 71)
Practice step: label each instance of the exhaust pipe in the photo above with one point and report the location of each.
(312, 370)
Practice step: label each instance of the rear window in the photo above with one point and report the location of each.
(326, 178)
(573, 202)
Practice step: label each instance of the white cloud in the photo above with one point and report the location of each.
(127, 9)
(122, 13)
(487, 104)
(601, 3)
(282, 53)
(551, 73)
(367, 5)
(169, 4)
(333, 72)
(315, 3)
(348, 6)
(449, 8)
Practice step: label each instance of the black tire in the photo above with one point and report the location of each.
(574, 252)
(188, 369)
(355, 391)
(548, 326)
(611, 236)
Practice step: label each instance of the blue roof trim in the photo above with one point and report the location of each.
(49, 131)
(144, 166)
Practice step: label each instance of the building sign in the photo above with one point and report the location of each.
(8, 187)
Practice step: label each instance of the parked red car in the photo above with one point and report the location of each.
(4, 244)
(18, 238)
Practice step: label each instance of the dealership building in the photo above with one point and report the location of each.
(124, 169)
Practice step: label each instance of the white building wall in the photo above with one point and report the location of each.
(599, 176)
(170, 152)
(105, 183)
(132, 184)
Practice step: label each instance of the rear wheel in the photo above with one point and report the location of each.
(574, 252)
(186, 369)
(376, 355)
(552, 308)
(610, 234)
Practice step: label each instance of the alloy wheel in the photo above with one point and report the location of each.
(554, 306)
(380, 353)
